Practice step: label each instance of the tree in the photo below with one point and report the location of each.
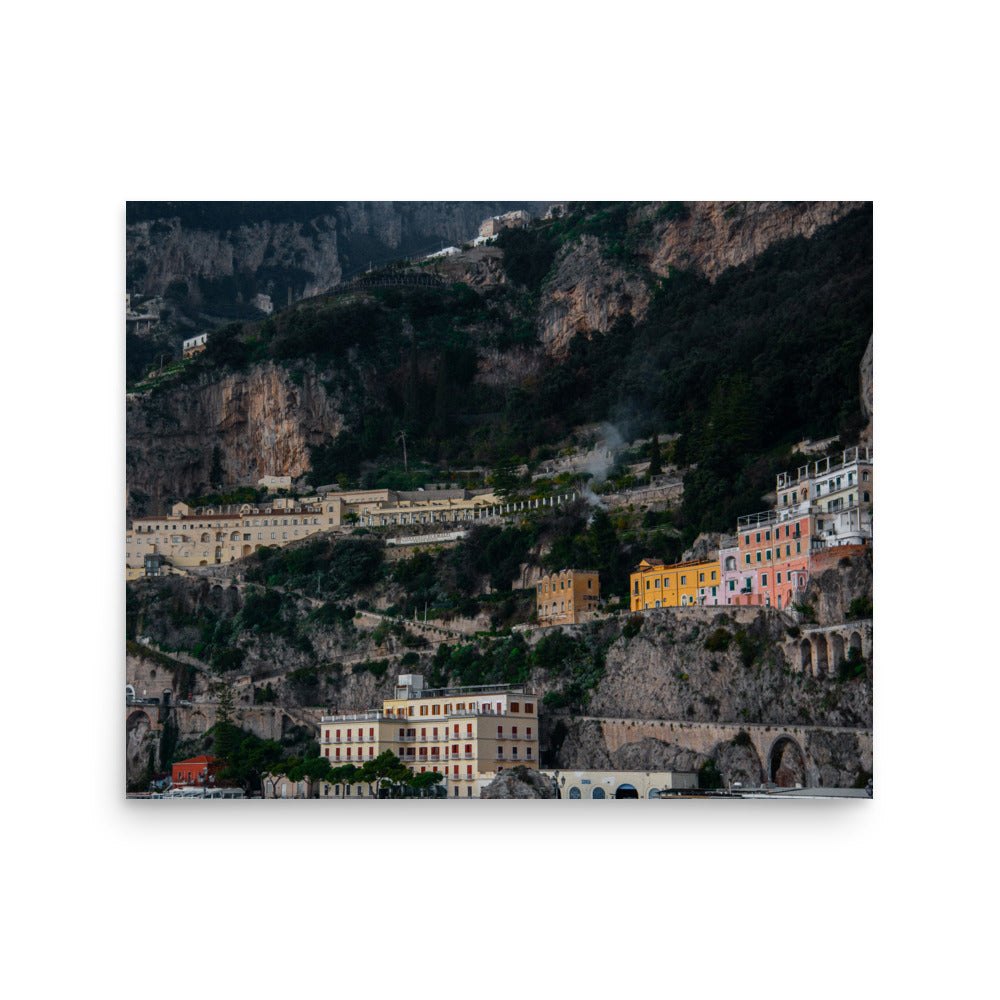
(426, 780)
(385, 767)
(225, 730)
(344, 775)
(655, 459)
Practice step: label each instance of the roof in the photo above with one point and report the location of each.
(205, 758)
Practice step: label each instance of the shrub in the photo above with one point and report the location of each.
(860, 607)
(742, 739)
(632, 627)
(718, 641)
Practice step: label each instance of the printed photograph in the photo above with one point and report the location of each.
(467, 500)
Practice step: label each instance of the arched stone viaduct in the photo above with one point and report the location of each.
(781, 750)
(820, 650)
(269, 722)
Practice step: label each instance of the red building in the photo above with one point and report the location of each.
(196, 772)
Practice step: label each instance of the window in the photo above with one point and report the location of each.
(701, 577)
(767, 555)
(529, 708)
(732, 584)
(758, 536)
(748, 558)
(763, 579)
(656, 584)
(684, 580)
(779, 577)
(767, 535)
(758, 555)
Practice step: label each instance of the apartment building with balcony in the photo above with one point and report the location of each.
(840, 489)
(656, 585)
(567, 597)
(467, 734)
(772, 559)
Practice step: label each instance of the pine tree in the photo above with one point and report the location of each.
(655, 460)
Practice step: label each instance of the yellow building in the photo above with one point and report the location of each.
(468, 734)
(567, 597)
(655, 585)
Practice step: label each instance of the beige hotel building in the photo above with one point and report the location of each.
(468, 734)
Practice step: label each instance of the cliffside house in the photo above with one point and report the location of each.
(655, 585)
(567, 597)
(194, 345)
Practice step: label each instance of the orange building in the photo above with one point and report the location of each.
(567, 597)
(774, 553)
(196, 772)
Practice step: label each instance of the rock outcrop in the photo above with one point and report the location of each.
(261, 421)
(519, 783)
(715, 235)
(585, 294)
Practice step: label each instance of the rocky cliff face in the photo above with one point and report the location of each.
(262, 423)
(666, 672)
(344, 239)
(585, 294)
(720, 234)
(164, 250)
(867, 394)
(587, 291)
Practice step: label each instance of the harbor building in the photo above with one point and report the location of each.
(467, 734)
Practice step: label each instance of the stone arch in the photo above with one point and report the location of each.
(247, 550)
(234, 536)
(206, 536)
(819, 659)
(138, 718)
(653, 793)
(854, 643)
(574, 792)
(786, 763)
(836, 641)
(597, 793)
(129, 692)
(805, 650)
(197, 722)
(730, 563)
(256, 724)
(626, 791)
